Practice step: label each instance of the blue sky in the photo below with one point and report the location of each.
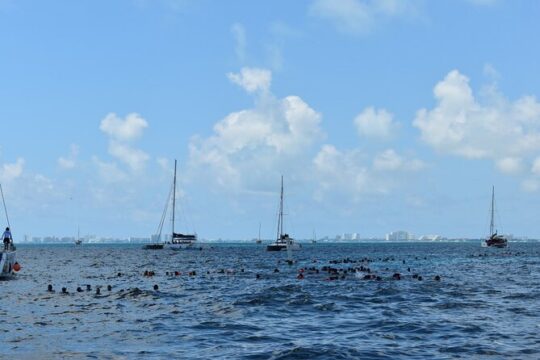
(381, 115)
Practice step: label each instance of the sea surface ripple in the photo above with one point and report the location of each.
(486, 304)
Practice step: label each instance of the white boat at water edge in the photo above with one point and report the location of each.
(8, 264)
(8, 256)
(78, 241)
(494, 239)
(178, 241)
(283, 241)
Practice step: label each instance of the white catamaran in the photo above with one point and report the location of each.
(283, 241)
(494, 240)
(179, 241)
(8, 256)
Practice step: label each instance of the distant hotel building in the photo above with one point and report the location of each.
(399, 235)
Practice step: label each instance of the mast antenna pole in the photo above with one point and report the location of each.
(174, 199)
(492, 223)
(5, 208)
(281, 207)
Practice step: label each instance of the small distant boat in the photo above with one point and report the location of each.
(79, 240)
(258, 240)
(8, 256)
(314, 240)
(494, 239)
(283, 241)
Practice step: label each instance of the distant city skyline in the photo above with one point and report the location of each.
(380, 115)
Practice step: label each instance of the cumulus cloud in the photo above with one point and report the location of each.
(248, 149)
(343, 172)
(351, 172)
(510, 165)
(249, 144)
(375, 123)
(252, 79)
(389, 160)
(121, 132)
(69, 162)
(135, 158)
(109, 171)
(126, 129)
(11, 171)
(507, 132)
(360, 16)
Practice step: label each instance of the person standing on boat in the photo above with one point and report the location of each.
(8, 239)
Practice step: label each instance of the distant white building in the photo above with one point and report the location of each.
(350, 236)
(430, 237)
(399, 235)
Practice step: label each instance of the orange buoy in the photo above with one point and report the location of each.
(16, 267)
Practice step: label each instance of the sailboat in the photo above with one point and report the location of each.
(78, 241)
(283, 241)
(8, 256)
(258, 240)
(179, 241)
(314, 240)
(494, 240)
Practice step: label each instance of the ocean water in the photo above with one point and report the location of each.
(486, 305)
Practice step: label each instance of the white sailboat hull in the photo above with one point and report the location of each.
(7, 261)
(181, 246)
(279, 246)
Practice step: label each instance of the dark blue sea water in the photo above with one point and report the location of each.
(483, 307)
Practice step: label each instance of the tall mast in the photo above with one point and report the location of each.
(281, 208)
(173, 199)
(492, 223)
(5, 208)
(280, 216)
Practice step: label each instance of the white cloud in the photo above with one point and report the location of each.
(250, 148)
(343, 172)
(250, 144)
(12, 171)
(120, 133)
(239, 34)
(510, 165)
(535, 169)
(69, 162)
(375, 123)
(134, 158)
(350, 172)
(128, 129)
(109, 171)
(389, 160)
(361, 16)
(252, 79)
(497, 129)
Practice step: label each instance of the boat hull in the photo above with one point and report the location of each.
(153, 247)
(282, 246)
(7, 261)
(185, 246)
(496, 241)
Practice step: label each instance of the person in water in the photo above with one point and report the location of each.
(8, 239)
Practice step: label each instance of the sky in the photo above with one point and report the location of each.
(380, 115)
